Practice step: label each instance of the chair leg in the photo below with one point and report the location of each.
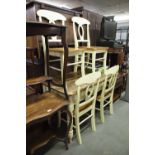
(105, 60)
(78, 134)
(93, 62)
(93, 122)
(66, 144)
(59, 119)
(61, 66)
(102, 112)
(82, 64)
(111, 106)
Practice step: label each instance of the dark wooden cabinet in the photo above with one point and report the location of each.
(31, 15)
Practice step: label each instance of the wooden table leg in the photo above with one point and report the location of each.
(71, 108)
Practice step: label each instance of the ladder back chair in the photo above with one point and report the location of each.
(106, 96)
(53, 17)
(82, 35)
(87, 87)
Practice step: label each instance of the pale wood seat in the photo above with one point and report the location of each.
(105, 98)
(61, 50)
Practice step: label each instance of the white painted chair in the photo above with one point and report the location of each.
(106, 96)
(53, 17)
(87, 87)
(82, 35)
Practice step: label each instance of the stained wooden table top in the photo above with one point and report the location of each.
(39, 107)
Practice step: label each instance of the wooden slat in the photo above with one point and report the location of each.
(37, 80)
(41, 106)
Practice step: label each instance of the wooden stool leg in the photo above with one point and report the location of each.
(78, 134)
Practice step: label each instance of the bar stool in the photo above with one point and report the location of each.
(82, 35)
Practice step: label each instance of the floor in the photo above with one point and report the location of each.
(110, 138)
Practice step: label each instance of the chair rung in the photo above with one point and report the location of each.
(54, 60)
(70, 64)
(106, 104)
(97, 109)
(63, 120)
(88, 67)
(88, 63)
(85, 119)
(57, 69)
(99, 59)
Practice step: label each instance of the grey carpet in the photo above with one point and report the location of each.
(110, 138)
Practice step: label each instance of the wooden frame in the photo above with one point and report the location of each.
(45, 29)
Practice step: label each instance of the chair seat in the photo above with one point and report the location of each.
(61, 50)
(95, 48)
(42, 106)
(37, 80)
(80, 49)
(83, 107)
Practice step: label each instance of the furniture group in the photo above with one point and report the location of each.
(70, 94)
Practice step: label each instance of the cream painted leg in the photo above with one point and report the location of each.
(78, 134)
(111, 107)
(93, 122)
(93, 61)
(102, 112)
(82, 64)
(105, 60)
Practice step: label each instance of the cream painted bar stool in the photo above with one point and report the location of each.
(54, 17)
(87, 87)
(82, 35)
(106, 96)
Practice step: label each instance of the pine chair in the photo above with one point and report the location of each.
(87, 87)
(53, 17)
(82, 35)
(106, 96)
